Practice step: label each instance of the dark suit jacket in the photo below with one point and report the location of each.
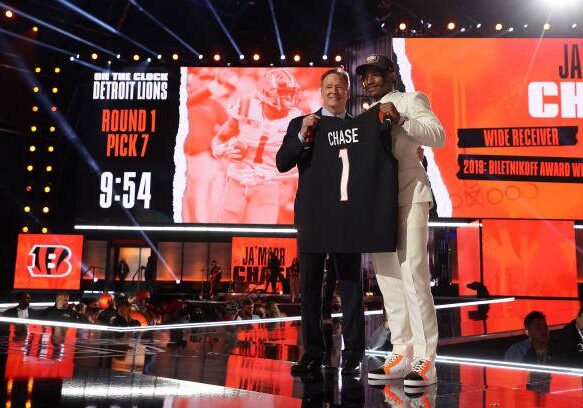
(13, 312)
(291, 154)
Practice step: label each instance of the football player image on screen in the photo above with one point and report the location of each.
(248, 142)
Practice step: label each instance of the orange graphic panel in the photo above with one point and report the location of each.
(529, 258)
(45, 261)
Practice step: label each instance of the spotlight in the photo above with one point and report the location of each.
(463, 29)
(338, 58)
(29, 188)
(49, 168)
(46, 210)
(25, 229)
(511, 29)
(297, 58)
(159, 56)
(33, 128)
(200, 56)
(136, 57)
(55, 90)
(108, 62)
(241, 57)
(35, 29)
(217, 57)
(77, 56)
(71, 58)
(94, 56)
(37, 70)
(9, 13)
(311, 64)
(178, 281)
(26, 209)
(30, 167)
(52, 129)
(429, 25)
(44, 230)
(51, 149)
(149, 59)
(479, 25)
(526, 26)
(546, 26)
(47, 189)
(325, 57)
(36, 89)
(451, 25)
(498, 27)
(282, 57)
(53, 108)
(402, 26)
(255, 57)
(35, 108)
(57, 70)
(175, 57)
(574, 25)
(32, 148)
(118, 56)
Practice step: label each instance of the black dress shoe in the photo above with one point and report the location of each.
(307, 364)
(351, 367)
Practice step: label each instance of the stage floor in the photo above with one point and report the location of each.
(249, 366)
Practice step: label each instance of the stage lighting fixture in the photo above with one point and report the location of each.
(26, 209)
(29, 188)
(159, 56)
(200, 56)
(451, 25)
(241, 57)
(108, 62)
(175, 57)
(33, 128)
(282, 57)
(118, 56)
(217, 57)
(37, 70)
(36, 89)
(35, 108)
(149, 59)
(49, 168)
(546, 26)
(94, 56)
(255, 57)
(77, 56)
(55, 90)
(498, 27)
(136, 57)
(325, 57)
(25, 229)
(47, 189)
(429, 25)
(51, 149)
(574, 25)
(52, 129)
(30, 167)
(9, 13)
(463, 29)
(71, 58)
(35, 29)
(297, 58)
(338, 58)
(46, 210)
(44, 230)
(53, 108)
(311, 64)
(402, 26)
(479, 25)
(511, 29)
(525, 26)
(32, 148)
(57, 70)
(178, 281)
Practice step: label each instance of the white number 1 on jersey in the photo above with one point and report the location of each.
(343, 155)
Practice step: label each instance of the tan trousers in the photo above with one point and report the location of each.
(403, 278)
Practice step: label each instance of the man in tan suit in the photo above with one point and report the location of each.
(403, 276)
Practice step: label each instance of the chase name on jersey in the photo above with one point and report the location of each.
(341, 137)
(130, 85)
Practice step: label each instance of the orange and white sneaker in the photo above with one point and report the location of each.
(395, 366)
(422, 373)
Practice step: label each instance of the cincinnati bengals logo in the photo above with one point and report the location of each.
(50, 261)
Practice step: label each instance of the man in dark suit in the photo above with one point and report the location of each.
(21, 310)
(295, 151)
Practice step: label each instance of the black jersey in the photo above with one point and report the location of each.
(350, 203)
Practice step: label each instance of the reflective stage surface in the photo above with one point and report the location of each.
(249, 366)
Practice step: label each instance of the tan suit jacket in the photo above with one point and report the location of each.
(422, 128)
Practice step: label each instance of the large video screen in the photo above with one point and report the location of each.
(198, 145)
(511, 109)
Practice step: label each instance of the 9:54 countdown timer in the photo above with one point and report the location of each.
(134, 187)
